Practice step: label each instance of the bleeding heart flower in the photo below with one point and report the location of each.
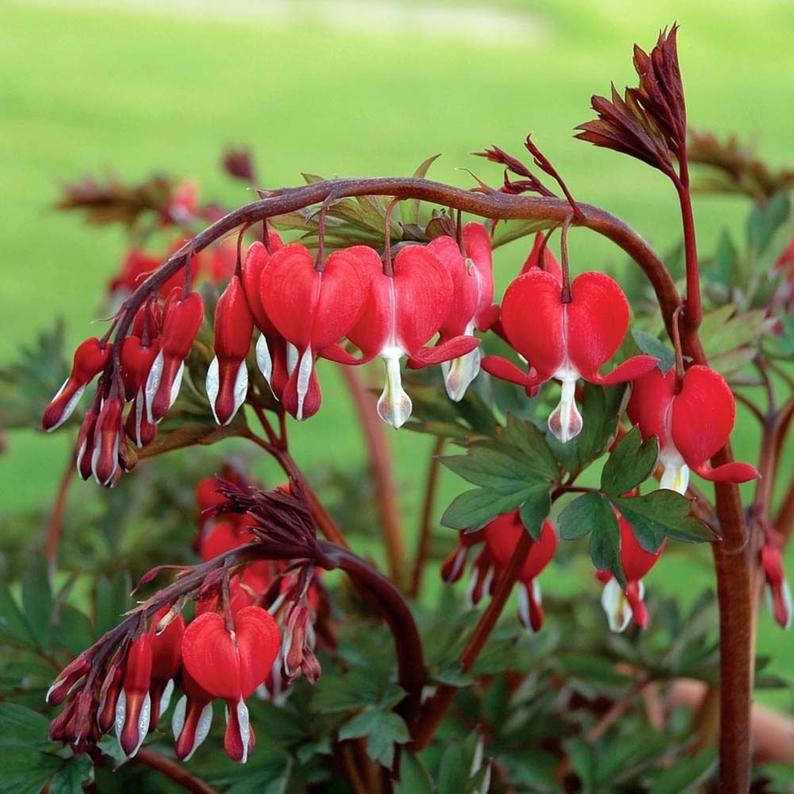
(227, 376)
(256, 260)
(136, 362)
(565, 341)
(501, 538)
(471, 273)
(90, 359)
(230, 663)
(312, 309)
(404, 311)
(152, 661)
(108, 437)
(192, 718)
(182, 318)
(692, 423)
(778, 591)
(619, 604)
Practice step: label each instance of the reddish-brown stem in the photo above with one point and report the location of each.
(52, 537)
(381, 470)
(693, 313)
(784, 521)
(435, 708)
(173, 770)
(425, 524)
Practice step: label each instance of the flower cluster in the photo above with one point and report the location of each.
(252, 632)
(499, 539)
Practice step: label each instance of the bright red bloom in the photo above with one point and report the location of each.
(692, 423)
(780, 601)
(231, 664)
(313, 309)
(471, 272)
(565, 341)
(548, 263)
(227, 376)
(256, 260)
(136, 362)
(192, 718)
(108, 436)
(404, 311)
(181, 322)
(621, 605)
(89, 360)
(152, 662)
(501, 538)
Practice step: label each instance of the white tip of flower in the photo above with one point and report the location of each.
(394, 405)
(304, 378)
(245, 727)
(675, 476)
(165, 698)
(70, 406)
(213, 385)
(153, 384)
(121, 715)
(460, 372)
(292, 358)
(178, 717)
(263, 358)
(616, 606)
(565, 421)
(177, 385)
(788, 605)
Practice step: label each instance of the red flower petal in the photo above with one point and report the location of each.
(703, 415)
(651, 400)
(531, 318)
(231, 667)
(502, 536)
(598, 318)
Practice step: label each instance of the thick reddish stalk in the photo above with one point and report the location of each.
(380, 465)
(694, 308)
(435, 708)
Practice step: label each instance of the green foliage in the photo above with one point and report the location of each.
(515, 470)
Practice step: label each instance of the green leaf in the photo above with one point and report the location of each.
(631, 463)
(22, 727)
(605, 542)
(26, 771)
(661, 514)
(13, 624)
(112, 600)
(472, 509)
(414, 777)
(764, 221)
(73, 776)
(652, 346)
(37, 600)
(685, 773)
(383, 730)
(581, 515)
(535, 510)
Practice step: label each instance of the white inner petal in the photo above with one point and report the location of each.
(565, 421)
(304, 378)
(165, 698)
(213, 386)
(394, 404)
(153, 383)
(616, 606)
(461, 371)
(263, 358)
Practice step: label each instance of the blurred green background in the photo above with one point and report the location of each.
(346, 89)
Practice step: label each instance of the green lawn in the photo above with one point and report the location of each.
(89, 90)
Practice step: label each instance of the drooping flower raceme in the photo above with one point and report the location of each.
(692, 421)
(471, 272)
(565, 341)
(404, 311)
(623, 604)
